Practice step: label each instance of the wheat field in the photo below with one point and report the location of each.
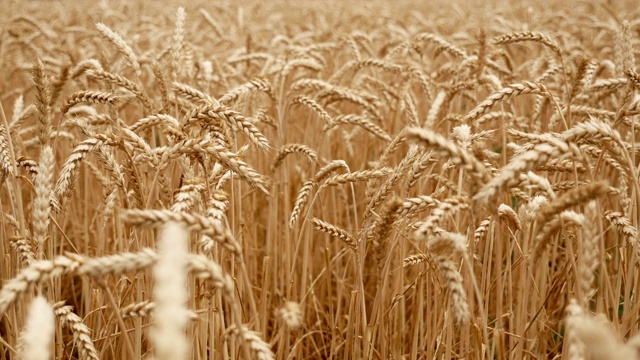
(319, 180)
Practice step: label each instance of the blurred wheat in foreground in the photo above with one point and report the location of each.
(319, 180)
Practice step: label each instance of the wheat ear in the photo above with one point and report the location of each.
(194, 222)
(80, 331)
(335, 231)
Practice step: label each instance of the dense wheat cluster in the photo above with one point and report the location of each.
(315, 180)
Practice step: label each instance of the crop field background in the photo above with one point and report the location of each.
(319, 180)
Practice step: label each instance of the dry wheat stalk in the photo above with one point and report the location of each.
(41, 203)
(508, 215)
(302, 149)
(457, 154)
(375, 71)
(178, 43)
(366, 101)
(571, 198)
(84, 65)
(216, 113)
(445, 243)
(186, 197)
(261, 349)
(408, 106)
(217, 204)
(526, 87)
(383, 191)
(90, 97)
(555, 223)
(162, 84)
(624, 226)
(146, 309)
(254, 85)
(366, 63)
(114, 168)
(122, 46)
(192, 221)
(541, 182)
(140, 309)
(227, 158)
(481, 231)
(192, 94)
(589, 253)
(41, 271)
(81, 333)
(303, 196)
(304, 63)
(22, 247)
(457, 293)
(335, 231)
(423, 79)
(419, 166)
(623, 48)
(583, 77)
(434, 110)
(355, 176)
(414, 260)
(121, 81)
(445, 208)
(442, 45)
(527, 36)
(413, 206)
(382, 229)
(70, 167)
(608, 84)
(43, 102)
(313, 106)
(6, 165)
(358, 120)
(510, 173)
(490, 116)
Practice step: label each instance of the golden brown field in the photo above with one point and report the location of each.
(319, 180)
